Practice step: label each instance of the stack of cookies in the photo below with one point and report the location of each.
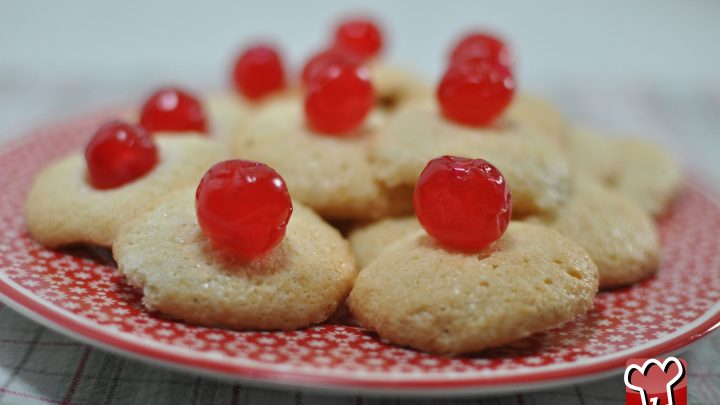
(448, 219)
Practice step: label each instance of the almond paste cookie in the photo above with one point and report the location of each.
(421, 295)
(300, 282)
(534, 167)
(638, 169)
(331, 174)
(229, 113)
(540, 114)
(619, 236)
(396, 86)
(370, 240)
(63, 208)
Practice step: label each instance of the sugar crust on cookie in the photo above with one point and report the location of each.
(300, 282)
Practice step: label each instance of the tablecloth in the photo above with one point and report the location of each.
(39, 366)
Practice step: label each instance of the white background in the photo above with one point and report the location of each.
(63, 58)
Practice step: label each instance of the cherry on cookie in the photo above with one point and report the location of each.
(360, 36)
(243, 207)
(482, 46)
(119, 153)
(338, 99)
(475, 92)
(322, 60)
(258, 72)
(465, 204)
(174, 110)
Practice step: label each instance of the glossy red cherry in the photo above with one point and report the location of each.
(119, 153)
(463, 203)
(338, 99)
(243, 207)
(475, 93)
(324, 59)
(173, 109)
(258, 72)
(359, 36)
(482, 46)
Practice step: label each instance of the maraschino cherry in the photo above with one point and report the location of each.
(173, 109)
(360, 36)
(243, 207)
(338, 98)
(258, 72)
(464, 204)
(475, 92)
(482, 46)
(119, 153)
(322, 60)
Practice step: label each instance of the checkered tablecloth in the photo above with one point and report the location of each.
(39, 366)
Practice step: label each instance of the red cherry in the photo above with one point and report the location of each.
(475, 93)
(463, 203)
(482, 46)
(258, 72)
(359, 36)
(119, 153)
(243, 207)
(172, 109)
(338, 99)
(324, 59)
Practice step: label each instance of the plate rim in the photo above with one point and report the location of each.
(57, 319)
(95, 335)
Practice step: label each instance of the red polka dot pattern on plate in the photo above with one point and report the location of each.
(686, 289)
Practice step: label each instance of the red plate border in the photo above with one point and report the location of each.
(67, 324)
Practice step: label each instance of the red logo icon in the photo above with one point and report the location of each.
(652, 382)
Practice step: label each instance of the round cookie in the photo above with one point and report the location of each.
(648, 175)
(367, 242)
(619, 236)
(395, 86)
(534, 167)
(592, 155)
(300, 282)
(226, 115)
(638, 169)
(420, 295)
(539, 114)
(63, 208)
(331, 174)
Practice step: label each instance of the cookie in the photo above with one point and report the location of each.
(534, 167)
(63, 208)
(331, 174)
(540, 114)
(226, 114)
(638, 169)
(395, 86)
(619, 236)
(370, 240)
(300, 282)
(418, 294)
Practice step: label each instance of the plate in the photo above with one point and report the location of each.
(87, 299)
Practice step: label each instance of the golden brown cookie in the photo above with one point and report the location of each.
(331, 174)
(370, 240)
(226, 115)
(618, 235)
(63, 208)
(540, 114)
(534, 167)
(420, 295)
(638, 169)
(300, 282)
(395, 86)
